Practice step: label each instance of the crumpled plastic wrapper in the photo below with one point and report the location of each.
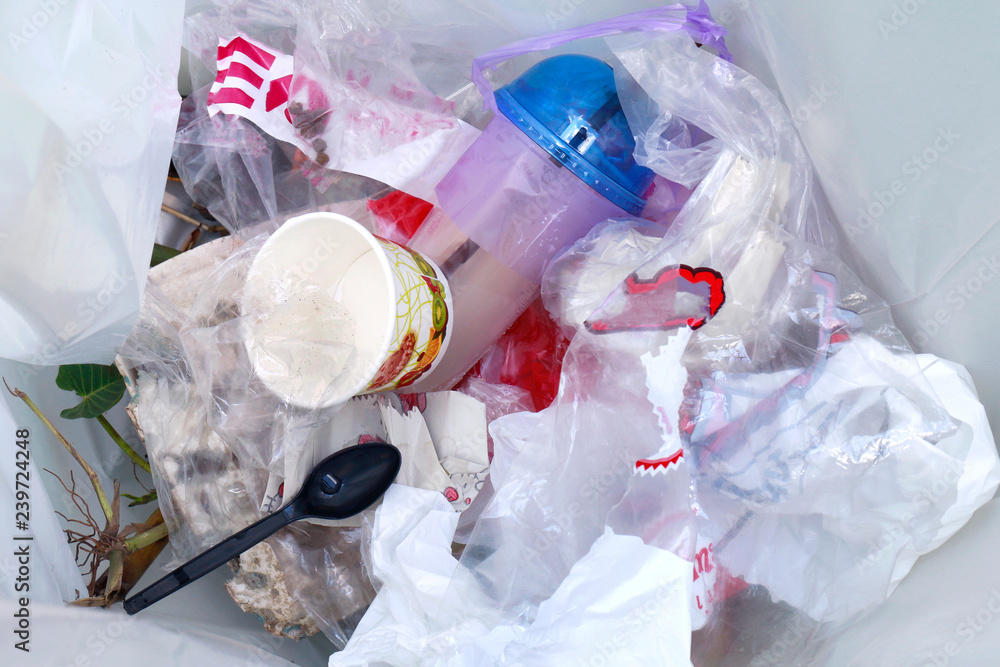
(338, 111)
(623, 601)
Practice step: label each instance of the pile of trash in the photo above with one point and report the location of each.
(587, 287)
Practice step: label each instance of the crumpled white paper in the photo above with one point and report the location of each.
(623, 603)
(442, 439)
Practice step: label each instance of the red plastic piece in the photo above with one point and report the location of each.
(529, 355)
(399, 215)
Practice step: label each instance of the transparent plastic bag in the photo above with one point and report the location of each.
(916, 205)
(582, 276)
(743, 353)
(349, 120)
(232, 391)
(212, 470)
(828, 373)
(248, 180)
(942, 614)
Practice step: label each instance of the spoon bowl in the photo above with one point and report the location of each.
(348, 482)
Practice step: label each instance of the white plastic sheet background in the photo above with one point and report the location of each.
(895, 101)
(947, 612)
(89, 112)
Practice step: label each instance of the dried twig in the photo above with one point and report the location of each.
(116, 564)
(89, 544)
(190, 240)
(81, 506)
(217, 229)
(203, 211)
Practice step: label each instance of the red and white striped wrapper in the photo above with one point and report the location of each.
(253, 82)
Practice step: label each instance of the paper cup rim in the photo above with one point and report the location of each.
(390, 285)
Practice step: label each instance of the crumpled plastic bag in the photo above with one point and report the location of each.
(796, 407)
(942, 614)
(792, 308)
(575, 285)
(859, 425)
(917, 204)
(247, 179)
(753, 325)
(90, 108)
(623, 602)
(212, 474)
(311, 104)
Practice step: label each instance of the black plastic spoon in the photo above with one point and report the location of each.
(343, 485)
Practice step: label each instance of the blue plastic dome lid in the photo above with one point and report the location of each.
(569, 106)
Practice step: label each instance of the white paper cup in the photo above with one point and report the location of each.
(334, 311)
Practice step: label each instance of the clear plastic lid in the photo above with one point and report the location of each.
(569, 106)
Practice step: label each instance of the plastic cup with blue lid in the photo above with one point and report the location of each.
(556, 160)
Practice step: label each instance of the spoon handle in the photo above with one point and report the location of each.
(204, 563)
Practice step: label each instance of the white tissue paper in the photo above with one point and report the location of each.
(441, 437)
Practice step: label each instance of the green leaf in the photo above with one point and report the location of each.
(162, 253)
(101, 387)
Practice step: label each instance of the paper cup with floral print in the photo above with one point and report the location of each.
(334, 311)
